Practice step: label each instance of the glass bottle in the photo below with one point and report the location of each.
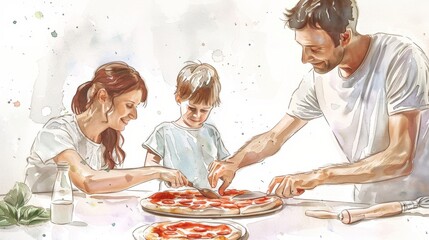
(62, 196)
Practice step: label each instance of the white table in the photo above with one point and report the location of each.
(116, 216)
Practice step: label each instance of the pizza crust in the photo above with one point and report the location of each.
(271, 203)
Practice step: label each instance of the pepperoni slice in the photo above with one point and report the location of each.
(230, 192)
(229, 205)
(194, 235)
(185, 204)
(261, 200)
(243, 204)
(171, 228)
(162, 195)
(200, 229)
(200, 202)
(211, 235)
(215, 204)
(192, 192)
(224, 232)
(188, 196)
(184, 201)
(195, 206)
(168, 201)
(167, 232)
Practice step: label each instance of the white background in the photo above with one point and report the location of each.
(44, 58)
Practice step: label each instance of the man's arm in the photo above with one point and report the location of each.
(395, 161)
(255, 150)
(268, 143)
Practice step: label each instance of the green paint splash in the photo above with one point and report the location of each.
(38, 15)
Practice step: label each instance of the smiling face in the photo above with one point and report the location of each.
(193, 115)
(124, 109)
(318, 49)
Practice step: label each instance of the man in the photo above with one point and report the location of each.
(373, 92)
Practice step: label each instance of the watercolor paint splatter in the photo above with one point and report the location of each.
(38, 15)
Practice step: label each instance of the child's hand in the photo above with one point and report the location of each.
(173, 177)
(223, 170)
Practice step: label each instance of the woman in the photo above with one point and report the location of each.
(90, 140)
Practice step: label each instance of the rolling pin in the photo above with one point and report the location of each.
(348, 216)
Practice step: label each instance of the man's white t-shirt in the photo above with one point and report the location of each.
(189, 150)
(393, 78)
(57, 135)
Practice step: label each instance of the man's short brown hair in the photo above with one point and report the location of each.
(332, 16)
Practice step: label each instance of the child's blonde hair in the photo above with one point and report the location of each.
(198, 82)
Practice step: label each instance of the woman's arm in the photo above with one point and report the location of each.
(104, 181)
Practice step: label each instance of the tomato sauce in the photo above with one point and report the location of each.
(192, 229)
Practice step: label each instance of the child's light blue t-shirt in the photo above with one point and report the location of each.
(189, 150)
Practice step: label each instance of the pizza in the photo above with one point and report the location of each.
(185, 229)
(190, 202)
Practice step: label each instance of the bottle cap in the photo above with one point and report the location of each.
(62, 165)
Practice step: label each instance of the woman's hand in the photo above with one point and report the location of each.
(173, 177)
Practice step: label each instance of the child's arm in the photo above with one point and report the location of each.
(152, 159)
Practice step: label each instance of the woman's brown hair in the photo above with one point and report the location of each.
(116, 78)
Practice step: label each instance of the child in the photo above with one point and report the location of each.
(189, 144)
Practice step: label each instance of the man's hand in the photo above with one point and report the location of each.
(173, 177)
(224, 170)
(294, 185)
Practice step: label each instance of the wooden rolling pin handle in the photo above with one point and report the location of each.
(349, 216)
